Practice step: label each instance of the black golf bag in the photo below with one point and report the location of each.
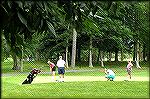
(31, 76)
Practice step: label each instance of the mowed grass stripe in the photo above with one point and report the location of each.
(77, 89)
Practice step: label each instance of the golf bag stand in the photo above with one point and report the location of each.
(31, 76)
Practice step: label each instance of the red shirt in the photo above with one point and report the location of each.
(52, 65)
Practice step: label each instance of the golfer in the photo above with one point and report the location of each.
(52, 69)
(110, 75)
(129, 69)
(61, 68)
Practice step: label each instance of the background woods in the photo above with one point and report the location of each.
(81, 31)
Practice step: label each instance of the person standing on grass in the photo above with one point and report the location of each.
(129, 69)
(52, 69)
(110, 75)
(61, 68)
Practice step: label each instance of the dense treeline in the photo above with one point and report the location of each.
(90, 31)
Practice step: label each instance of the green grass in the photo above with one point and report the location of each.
(27, 66)
(120, 71)
(12, 88)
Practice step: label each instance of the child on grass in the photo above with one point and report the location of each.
(129, 69)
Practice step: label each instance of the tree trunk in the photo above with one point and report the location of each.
(110, 56)
(90, 56)
(116, 55)
(140, 53)
(134, 53)
(98, 55)
(21, 60)
(122, 56)
(74, 48)
(144, 54)
(137, 55)
(67, 56)
(101, 58)
(148, 55)
(79, 53)
(15, 62)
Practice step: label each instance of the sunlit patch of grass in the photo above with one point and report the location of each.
(11, 89)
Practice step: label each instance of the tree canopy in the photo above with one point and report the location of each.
(46, 28)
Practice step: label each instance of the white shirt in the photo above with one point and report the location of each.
(129, 65)
(61, 63)
(110, 72)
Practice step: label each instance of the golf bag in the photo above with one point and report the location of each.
(31, 76)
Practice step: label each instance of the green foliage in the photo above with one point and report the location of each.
(45, 27)
(51, 28)
(25, 19)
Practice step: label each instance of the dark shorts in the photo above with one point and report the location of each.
(129, 71)
(54, 68)
(61, 70)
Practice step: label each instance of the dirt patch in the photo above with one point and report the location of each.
(48, 79)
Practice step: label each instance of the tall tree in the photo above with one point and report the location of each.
(74, 48)
(25, 18)
(136, 18)
(90, 53)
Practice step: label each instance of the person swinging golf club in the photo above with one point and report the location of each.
(52, 69)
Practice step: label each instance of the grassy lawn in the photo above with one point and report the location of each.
(27, 66)
(12, 88)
